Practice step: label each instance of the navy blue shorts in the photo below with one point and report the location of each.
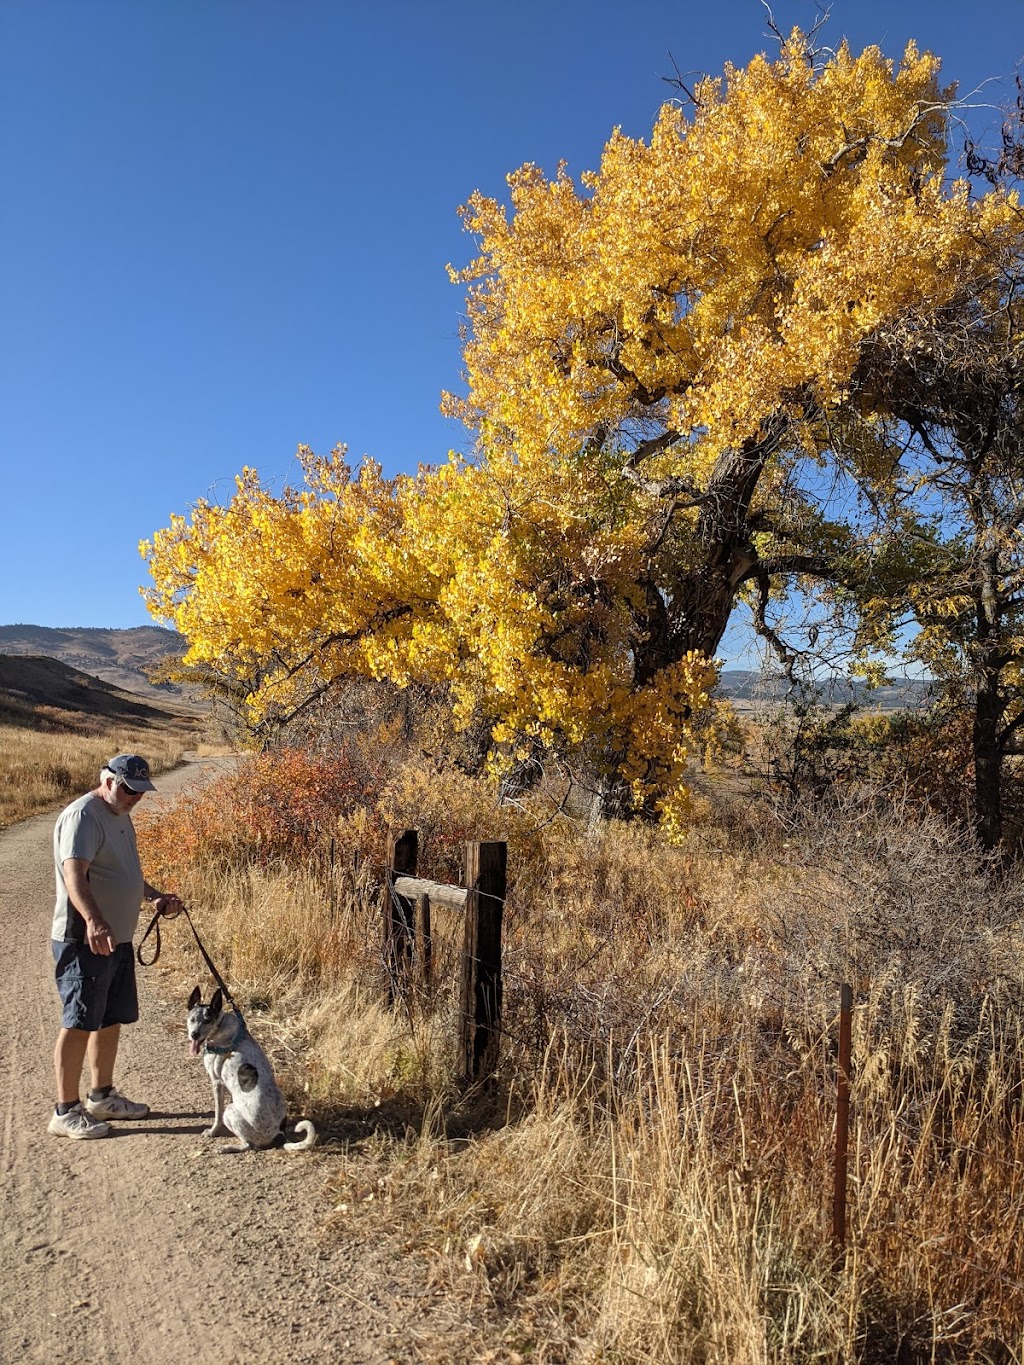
(97, 990)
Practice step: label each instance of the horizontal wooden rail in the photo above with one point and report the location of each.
(440, 893)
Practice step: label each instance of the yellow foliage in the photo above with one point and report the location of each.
(731, 265)
(628, 336)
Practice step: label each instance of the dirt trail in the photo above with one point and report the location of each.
(149, 1246)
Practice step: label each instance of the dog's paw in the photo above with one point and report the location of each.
(218, 1130)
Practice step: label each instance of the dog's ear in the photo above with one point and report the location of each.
(194, 999)
(217, 1003)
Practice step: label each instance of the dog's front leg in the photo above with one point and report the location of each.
(218, 1129)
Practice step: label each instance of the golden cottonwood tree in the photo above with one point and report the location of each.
(650, 357)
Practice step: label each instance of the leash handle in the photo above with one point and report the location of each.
(154, 924)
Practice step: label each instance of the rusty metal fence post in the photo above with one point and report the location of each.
(842, 1126)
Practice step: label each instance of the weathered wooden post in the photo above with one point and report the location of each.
(481, 994)
(397, 911)
(842, 1126)
(424, 942)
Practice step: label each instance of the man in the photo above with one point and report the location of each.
(100, 889)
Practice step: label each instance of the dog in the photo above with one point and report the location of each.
(239, 1071)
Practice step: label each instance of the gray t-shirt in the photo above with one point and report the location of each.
(89, 829)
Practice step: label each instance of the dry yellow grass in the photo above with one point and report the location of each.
(651, 1177)
(40, 771)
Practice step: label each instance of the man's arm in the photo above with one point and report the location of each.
(99, 937)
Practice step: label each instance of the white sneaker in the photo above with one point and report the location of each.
(116, 1106)
(76, 1123)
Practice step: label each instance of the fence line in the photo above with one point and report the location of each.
(405, 904)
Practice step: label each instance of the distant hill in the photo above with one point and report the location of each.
(119, 657)
(123, 658)
(747, 688)
(48, 695)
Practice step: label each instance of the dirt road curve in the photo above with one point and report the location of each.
(148, 1246)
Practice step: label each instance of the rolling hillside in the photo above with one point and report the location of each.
(122, 658)
(47, 695)
(749, 690)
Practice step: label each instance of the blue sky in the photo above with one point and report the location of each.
(224, 226)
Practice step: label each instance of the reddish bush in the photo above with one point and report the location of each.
(275, 807)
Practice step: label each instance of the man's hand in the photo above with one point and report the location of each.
(168, 906)
(98, 935)
(99, 938)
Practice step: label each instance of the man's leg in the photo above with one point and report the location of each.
(68, 1059)
(102, 1055)
(104, 1102)
(83, 990)
(69, 1118)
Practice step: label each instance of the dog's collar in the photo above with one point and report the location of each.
(240, 1031)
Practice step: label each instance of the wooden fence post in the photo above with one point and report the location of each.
(397, 911)
(842, 1126)
(424, 942)
(481, 994)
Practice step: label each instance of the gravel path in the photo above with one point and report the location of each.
(149, 1246)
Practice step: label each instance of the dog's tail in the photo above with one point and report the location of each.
(303, 1126)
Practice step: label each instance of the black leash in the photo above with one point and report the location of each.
(154, 923)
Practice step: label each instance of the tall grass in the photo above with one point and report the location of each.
(651, 1177)
(41, 770)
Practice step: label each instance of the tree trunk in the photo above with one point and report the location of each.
(698, 614)
(989, 703)
(988, 806)
(611, 801)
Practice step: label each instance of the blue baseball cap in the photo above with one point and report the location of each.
(133, 771)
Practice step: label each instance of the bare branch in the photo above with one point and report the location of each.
(654, 446)
(815, 566)
(785, 656)
(860, 145)
(811, 50)
(679, 81)
(673, 486)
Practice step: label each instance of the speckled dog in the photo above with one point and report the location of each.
(239, 1070)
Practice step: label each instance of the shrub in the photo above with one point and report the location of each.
(280, 807)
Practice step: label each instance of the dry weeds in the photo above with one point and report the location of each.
(650, 1178)
(40, 771)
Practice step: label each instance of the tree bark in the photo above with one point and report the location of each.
(989, 699)
(988, 806)
(696, 617)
